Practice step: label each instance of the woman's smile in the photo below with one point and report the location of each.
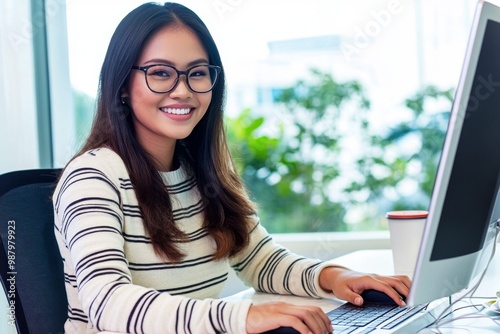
(176, 111)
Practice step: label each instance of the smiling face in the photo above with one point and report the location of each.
(160, 119)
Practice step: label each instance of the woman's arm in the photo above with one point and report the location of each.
(269, 267)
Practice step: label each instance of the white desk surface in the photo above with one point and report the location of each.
(380, 262)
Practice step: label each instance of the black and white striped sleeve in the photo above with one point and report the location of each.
(271, 268)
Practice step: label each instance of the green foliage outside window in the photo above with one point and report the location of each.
(298, 176)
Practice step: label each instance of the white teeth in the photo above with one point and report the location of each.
(176, 111)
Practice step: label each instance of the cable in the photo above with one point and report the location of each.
(465, 316)
(440, 320)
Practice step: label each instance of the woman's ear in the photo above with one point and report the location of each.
(124, 97)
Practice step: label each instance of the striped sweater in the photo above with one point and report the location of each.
(116, 282)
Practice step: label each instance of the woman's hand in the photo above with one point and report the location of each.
(348, 285)
(305, 319)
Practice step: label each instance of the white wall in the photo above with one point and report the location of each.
(18, 124)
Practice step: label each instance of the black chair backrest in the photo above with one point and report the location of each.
(31, 267)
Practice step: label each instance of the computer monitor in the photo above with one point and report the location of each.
(465, 204)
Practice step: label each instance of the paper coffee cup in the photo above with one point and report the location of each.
(406, 229)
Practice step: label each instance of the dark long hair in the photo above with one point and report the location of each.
(205, 151)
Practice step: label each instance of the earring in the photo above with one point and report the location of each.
(122, 100)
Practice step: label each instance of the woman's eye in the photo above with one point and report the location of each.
(199, 73)
(160, 73)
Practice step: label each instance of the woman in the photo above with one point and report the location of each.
(150, 215)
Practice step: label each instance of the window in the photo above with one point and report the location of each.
(18, 126)
(376, 54)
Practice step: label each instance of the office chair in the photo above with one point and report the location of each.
(31, 267)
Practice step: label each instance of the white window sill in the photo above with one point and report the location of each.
(328, 245)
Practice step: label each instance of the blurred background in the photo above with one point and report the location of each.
(336, 110)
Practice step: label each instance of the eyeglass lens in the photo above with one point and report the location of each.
(162, 78)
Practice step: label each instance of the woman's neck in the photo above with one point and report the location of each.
(162, 154)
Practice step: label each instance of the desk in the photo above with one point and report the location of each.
(380, 262)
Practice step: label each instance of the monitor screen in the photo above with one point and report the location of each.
(473, 181)
(464, 206)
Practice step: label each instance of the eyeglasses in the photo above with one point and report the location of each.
(164, 78)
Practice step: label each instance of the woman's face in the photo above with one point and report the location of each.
(161, 119)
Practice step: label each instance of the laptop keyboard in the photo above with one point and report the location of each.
(369, 317)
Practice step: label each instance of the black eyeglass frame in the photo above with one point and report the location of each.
(145, 69)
